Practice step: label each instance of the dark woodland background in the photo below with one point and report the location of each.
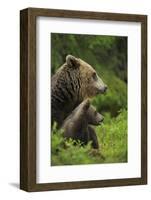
(108, 56)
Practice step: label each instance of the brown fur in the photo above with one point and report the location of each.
(74, 81)
(76, 126)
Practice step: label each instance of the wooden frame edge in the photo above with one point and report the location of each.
(24, 182)
(144, 99)
(27, 100)
(87, 14)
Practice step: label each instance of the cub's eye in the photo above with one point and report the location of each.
(94, 76)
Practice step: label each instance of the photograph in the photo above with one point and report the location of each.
(83, 93)
(88, 99)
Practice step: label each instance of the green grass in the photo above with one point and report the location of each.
(112, 136)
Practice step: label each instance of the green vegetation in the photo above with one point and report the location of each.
(108, 55)
(112, 137)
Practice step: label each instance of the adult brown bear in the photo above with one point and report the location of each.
(73, 82)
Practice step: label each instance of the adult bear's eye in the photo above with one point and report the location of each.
(94, 76)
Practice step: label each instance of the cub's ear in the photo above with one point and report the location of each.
(72, 61)
(86, 104)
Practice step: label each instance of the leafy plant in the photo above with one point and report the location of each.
(112, 136)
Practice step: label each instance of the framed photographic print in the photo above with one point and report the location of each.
(83, 99)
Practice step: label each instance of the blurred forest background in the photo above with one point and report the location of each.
(108, 56)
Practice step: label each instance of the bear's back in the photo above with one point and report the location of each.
(64, 94)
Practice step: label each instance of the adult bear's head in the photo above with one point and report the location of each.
(86, 78)
(72, 83)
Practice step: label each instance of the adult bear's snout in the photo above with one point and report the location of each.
(103, 89)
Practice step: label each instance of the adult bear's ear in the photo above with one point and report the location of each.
(86, 104)
(72, 61)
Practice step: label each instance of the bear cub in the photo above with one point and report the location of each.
(77, 124)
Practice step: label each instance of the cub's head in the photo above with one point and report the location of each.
(92, 116)
(90, 83)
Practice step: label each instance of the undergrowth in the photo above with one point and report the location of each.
(112, 136)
